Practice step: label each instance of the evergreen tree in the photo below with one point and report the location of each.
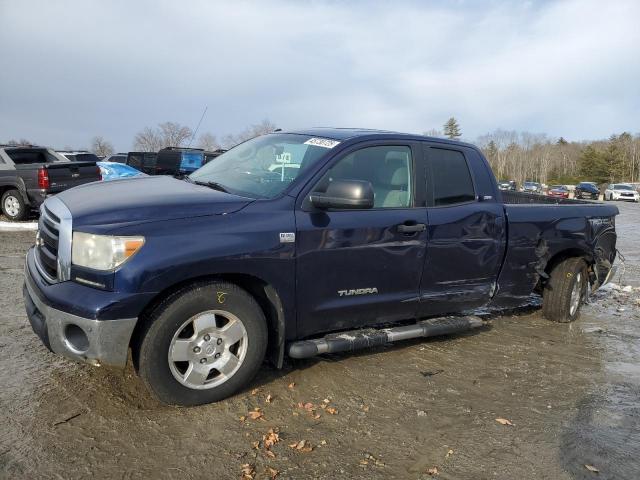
(452, 129)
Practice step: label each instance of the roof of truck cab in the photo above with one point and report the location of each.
(342, 134)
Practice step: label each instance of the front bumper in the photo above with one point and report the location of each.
(98, 342)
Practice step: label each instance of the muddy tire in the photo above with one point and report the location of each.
(13, 205)
(202, 344)
(565, 291)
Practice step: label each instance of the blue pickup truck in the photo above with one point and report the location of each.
(296, 244)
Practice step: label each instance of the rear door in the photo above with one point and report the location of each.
(466, 231)
(357, 267)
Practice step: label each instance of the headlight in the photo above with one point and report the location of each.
(102, 252)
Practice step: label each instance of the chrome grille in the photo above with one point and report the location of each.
(53, 241)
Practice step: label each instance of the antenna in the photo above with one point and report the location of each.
(197, 127)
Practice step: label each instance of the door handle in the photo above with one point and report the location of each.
(417, 227)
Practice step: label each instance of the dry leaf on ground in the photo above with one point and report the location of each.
(254, 391)
(591, 468)
(269, 398)
(432, 471)
(504, 421)
(449, 453)
(302, 446)
(272, 472)
(331, 410)
(256, 414)
(248, 471)
(271, 437)
(292, 384)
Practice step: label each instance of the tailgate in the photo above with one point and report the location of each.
(64, 175)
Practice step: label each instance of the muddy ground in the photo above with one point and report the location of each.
(571, 392)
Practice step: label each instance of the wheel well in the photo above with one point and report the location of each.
(561, 257)
(266, 296)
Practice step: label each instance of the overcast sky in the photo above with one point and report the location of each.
(71, 70)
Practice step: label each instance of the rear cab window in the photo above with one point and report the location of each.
(29, 156)
(450, 178)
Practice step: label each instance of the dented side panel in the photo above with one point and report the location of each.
(538, 234)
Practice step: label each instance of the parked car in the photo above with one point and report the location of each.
(117, 171)
(559, 191)
(143, 161)
(621, 191)
(79, 156)
(28, 175)
(506, 185)
(587, 190)
(117, 158)
(532, 187)
(234, 262)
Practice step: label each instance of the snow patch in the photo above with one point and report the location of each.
(13, 226)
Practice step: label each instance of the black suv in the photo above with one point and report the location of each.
(587, 190)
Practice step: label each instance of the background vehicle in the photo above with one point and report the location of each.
(117, 158)
(508, 185)
(532, 187)
(179, 161)
(116, 171)
(28, 175)
(587, 190)
(621, 191)
(143, 161)
(559, 191)
(239, 262)
(79, 156)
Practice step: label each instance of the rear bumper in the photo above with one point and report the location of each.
(98, 342)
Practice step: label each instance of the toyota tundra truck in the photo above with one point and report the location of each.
(295, 244)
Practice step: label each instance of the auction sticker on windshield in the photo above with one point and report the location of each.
(322, 142)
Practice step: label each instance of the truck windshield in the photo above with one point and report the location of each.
(264, 166)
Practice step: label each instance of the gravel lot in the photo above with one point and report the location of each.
(570, 391)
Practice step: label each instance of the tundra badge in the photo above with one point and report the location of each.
(357, 291)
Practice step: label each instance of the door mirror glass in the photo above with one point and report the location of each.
(344, 194)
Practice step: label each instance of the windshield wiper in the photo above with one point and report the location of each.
(214, 185)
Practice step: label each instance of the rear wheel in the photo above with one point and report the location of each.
(202, 344)
(13, 205)
(565, 291)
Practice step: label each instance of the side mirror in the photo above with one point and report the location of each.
(344, 194)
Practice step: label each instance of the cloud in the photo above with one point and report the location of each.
(76, 69)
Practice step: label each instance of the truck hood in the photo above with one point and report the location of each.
(145, 199)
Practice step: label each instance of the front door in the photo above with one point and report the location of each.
(362, 267)
(466, 234)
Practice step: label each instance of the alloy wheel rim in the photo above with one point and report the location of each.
(576, 294)
(208, 349)
(11, 206)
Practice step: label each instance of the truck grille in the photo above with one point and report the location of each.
(47, 249)
(53, 241)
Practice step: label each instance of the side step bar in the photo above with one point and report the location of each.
(357, 339)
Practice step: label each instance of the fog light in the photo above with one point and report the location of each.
(75, 338)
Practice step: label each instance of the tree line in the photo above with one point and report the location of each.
(523, 156)
(513, 155)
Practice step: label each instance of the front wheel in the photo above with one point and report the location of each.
(565, 291)
(202, 344)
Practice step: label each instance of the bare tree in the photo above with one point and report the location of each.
(265, 126)
(101, 147)
(148, 140)
(208, 141)
(23, 142)
(433, 132)
(173, 134)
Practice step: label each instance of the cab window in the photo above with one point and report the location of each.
(451, 178)
(387, 168)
